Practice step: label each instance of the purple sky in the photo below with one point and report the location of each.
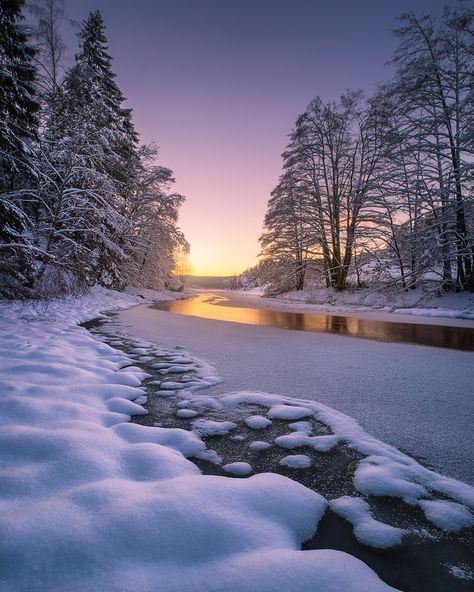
(219, 83)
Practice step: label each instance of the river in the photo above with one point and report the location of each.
(415, 397)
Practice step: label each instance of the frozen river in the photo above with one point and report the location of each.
(417, 398)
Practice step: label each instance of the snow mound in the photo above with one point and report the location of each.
(383, 477)
(367, 530)
(209, 427)
(186, 413)
(296, 461)
(259, 445)
(301, 426)
(300, 438)
(257, 422)
(446, 515)
(238, 468)
(289, 412)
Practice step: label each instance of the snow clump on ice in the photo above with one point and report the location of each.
(209, 427)
(257, 422)
(296, 461)
(238, 468)
(289, 412)
(446, 515)
(367, 530)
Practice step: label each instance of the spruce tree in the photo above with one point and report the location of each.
(89, 128)
(18, 104)
(18, 125)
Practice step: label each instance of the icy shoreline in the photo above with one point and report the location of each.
(92, 501)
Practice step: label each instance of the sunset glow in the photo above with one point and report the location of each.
(221, 108)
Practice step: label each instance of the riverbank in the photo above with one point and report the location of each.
(413, 306)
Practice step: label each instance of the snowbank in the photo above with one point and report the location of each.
(417, 303)
(89, 501)
(413, 302)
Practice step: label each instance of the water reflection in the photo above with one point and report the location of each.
(210, 307)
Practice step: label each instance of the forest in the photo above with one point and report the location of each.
(81, 201)
(379, 190)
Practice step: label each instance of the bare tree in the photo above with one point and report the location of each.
(335, 150)
(49, 16)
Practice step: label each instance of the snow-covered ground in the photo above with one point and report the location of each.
(90, 501)
(365, 303)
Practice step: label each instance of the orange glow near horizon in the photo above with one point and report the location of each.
(205, 262)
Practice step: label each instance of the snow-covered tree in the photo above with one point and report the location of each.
(90, 140)
(153, 212)
(433, 93)
(287, 237)
(18, 126)
(334, 152)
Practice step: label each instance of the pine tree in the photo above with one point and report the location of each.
(18, 105)
(102, 91)
(18, 125)
(91, 132)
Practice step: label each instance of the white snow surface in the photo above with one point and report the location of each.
(367, 530)
(241, 469)
(186, 413)
(288, 412)
(257, 422)
(296, 461)
(447, 515)
(259, 445)
(89, 501)
(300, 438)
(209, 427)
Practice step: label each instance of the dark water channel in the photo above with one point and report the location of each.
(204, 306)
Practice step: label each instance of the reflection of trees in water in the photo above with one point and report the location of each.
(434, 335)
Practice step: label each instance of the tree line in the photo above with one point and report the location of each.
(81, 201)
(384, 183)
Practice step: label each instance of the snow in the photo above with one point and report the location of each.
(448, 516)
(301, 426)
(300, 438)
(296, 461)
(186, 413)
(91, 501)
(461, 572)
(381, 476)
(121, 506)
(259, 445)
(367, 530)
(209, 427)
(257, 422)
(385, 471)
(288, 412)
(241, 469)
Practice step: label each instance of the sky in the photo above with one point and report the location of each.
(218, 85)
